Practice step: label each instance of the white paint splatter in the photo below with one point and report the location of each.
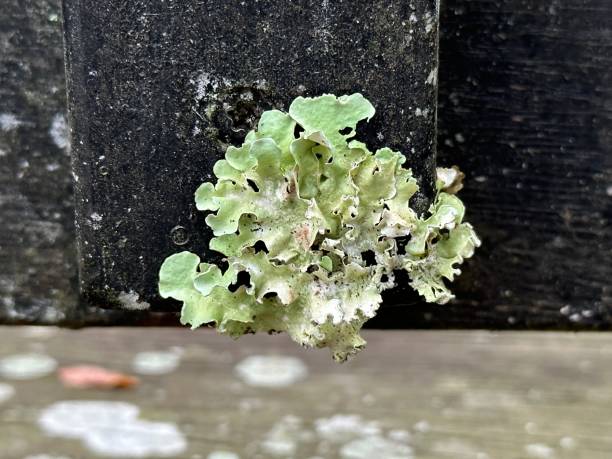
(156, 363)
(27, 366)
(539, 451)
(370, 447)
(59, 132)
(112, 429)
(271, 371)
(8, 122)
(6, 391)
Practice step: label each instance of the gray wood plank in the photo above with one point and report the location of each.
(526, 111)
(456, 395)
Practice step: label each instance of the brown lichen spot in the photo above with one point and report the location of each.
(302, 234)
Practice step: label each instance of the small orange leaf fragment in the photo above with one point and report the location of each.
(89, 376)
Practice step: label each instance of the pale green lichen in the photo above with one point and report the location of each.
(318, 201)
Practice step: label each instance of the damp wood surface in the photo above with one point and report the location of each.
(477, 394)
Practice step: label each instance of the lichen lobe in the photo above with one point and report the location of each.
(328, 213)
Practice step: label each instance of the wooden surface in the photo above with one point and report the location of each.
(157, 90)
(456, 395)
(37, 246)
(524, 109)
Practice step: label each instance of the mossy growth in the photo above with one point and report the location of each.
(309, 225)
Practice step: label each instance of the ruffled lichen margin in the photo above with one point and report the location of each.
(321, 225)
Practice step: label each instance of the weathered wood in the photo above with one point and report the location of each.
(38, 264)
(37, 255)
(468, 395)
(525, 111)
(157, 90)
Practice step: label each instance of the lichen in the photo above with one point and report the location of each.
(313, 227)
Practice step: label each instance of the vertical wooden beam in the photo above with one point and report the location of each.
(157, 89)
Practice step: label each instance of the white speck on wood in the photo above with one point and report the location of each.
(8, 122)
(156, 363)
(131, 301)
(539, 451)
(112, 429)
(27, 366)
(271, 371)
(59, 132)
(6, 391)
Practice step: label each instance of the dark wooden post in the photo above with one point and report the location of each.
(524, 110)
(158, 89)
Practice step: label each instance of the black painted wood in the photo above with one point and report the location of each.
(37, 256)
(38, 263)
(525, 109)
(157, 90)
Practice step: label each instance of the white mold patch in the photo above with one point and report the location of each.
(112, 429)
(156, 363)
(27, 366)
(272, 371)
(59, 132)
(6, 391)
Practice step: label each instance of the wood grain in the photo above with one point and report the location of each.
(456, 395)
(525, 109)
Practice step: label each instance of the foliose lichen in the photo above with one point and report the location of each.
(303, 215)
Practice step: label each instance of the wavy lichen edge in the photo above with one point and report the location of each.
(319, 223)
